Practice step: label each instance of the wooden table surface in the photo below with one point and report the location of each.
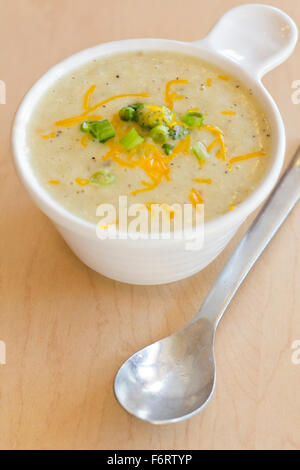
(67, 329)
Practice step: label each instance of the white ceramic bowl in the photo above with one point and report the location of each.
(248, 41)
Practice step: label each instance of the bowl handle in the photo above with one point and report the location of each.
(258, 37)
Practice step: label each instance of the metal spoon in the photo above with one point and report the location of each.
(173, 379)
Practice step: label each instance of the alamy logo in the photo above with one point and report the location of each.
(296, 94)
(152, 220)
(296, 354)
(2, 92)
(2, 353)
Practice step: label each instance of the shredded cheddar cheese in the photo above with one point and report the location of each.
(85, 139)
(208, 82)
(69, 122)
(220, 140)
(156, 108)
(212, 144)
(49, 136)
(147, 156)
(171, 96)
(195, 197)
(82, 181)
(168, 209)
(228, 113)
(226, 78)
(87, 97)
(203, 180)
(182, 147)
(107, 226)
(54, 181)
(246, 157)
(163, 205)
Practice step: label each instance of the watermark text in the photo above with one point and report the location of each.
(2, 92)
(296, 94)
(152, 220)
(296, 353)
(2, 353)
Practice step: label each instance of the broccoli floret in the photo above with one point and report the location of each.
(168, 114)
(178, 132)
(149, 119)
(146, 119)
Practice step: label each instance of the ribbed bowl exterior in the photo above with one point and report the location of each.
(145, 261)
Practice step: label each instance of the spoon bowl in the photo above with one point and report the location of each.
(171, 379)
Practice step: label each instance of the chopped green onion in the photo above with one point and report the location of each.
(100, 130)
(137, 106)
(102, 177)
(200, 151)
(159, 134)
(131, 140)
(193, 119)
(127, 113)
(178, 132)
(168, 148)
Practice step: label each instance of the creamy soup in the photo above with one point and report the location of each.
(157, 127)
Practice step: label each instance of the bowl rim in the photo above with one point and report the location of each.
(59, 214)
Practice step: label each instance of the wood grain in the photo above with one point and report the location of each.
(67, 329)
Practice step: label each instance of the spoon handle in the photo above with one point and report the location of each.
(274, 212)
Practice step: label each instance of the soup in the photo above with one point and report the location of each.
(157, 127)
